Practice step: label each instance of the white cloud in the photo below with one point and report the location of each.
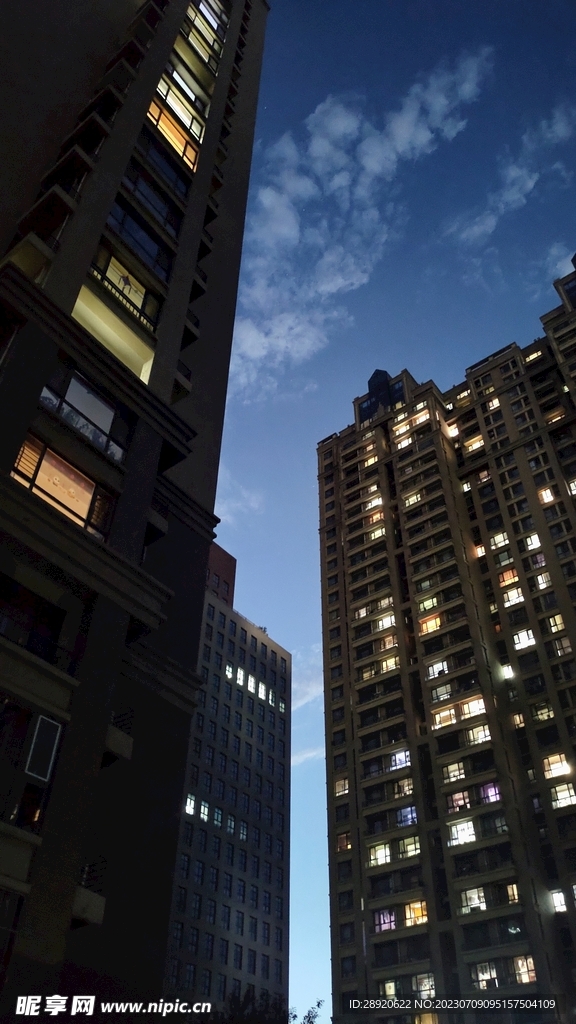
(312, 754)
(307, 676)
(234, 500)
(558, 261)
(518, 178)
(321, 217)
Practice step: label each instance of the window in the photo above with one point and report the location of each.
(458, 801)
(480, 734)
(512, 597)
(563, 795)
(439, 668)
(524, 970)
(556, 623)
(472, 707)
(445, 717)
(472, 900)
(452, 772)
(499, 540)
(204, 811)
(559, 901)
(545, 495)
(61, 485)
(343, 842)
(384, 920)
(408, 847)
(484, 975)
(532, 542)
(525, 638)
(415, 913)
(490, 793)
(562, 646)
(341, 787)
(379, 854)
(423, 985)
(554, 765)
(430, 624)
(462, 832)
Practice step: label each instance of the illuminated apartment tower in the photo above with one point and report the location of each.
(127, 133)
(449, 583)
(229, 929)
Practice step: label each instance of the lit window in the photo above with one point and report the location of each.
(518, 720)
(217, 820)
(389, 664)
(505, 578)
(513, 596)
(423, 984)
(490, 793)
(546, 495)
(384, 920)
(472, 899)
(542, 712)
(562, 646)
(440, 692)
(474, 444)
(456, 802)
(343, 842)
(563, 795)
(543, 581)
(378, 532)
(499, 540)
(428, 603)
(229, 670)
(507, 671)
(532, 541)
(512, 891)
(361, 613)
(556, 764)
(370, 461)
(240, 676)
(494, 403)
(405, 442)
(480, 734)
(404, 787)
(190, 804)
(559, 901)
(261, 691)
(445, 717)
(525, 638)
(401, 759)
(463, 394)
(472, 707)
(484, 975)
(430, 624)
(272, 698)
(62, 486)
(572, 486)
(379, 854)
(524, 970)
(204, 811)
(533, 355)
(466, 486)
(408, 847)
(415, 913)
(341, 787)
(388, 620)
(556, 623)
(480, 551)
(453, 772)
(439, 668)
(462, 832)
(412, 499)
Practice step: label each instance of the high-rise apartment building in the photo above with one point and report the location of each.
(448, 535)
(127, 134)
(229, 926)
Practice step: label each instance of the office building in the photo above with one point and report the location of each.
(127, 135)
(448, 552)
(229, 928)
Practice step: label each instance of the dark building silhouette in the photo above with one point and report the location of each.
(229, 929)
(127, 135)
(448, 552)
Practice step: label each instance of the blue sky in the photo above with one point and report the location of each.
(412, 200)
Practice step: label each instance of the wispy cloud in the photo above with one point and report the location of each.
(234, 500)
(519, 177)
(323, 213)
(557, 261)
(312, 754)
(307, 677)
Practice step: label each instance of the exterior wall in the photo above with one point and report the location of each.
(119, 263)
(230, 914)
(447, 544)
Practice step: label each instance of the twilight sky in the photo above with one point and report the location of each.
(412, 200)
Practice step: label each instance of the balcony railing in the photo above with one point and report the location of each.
(76, 419)
(147, 321)
(36, 642)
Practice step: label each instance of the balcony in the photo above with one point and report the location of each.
(82, 425)
(35, 639)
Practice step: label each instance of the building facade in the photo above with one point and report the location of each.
(229, 927)
(448, 552)
(122, 207)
